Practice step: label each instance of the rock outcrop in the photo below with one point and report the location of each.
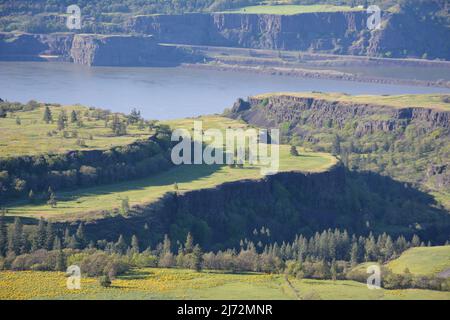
(92, 49)
(402, 35)
(99, 50)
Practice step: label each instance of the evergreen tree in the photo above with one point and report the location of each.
(189, 244)
(73, 117)
(80, 235)
(50, 236)
(3, 235)
(134, 244)
(47, 115)
(197, 257)
(40, 241)
(294, 151)
(62, 120)
(415, 242)
(17, 240)
(333, 270)
(121, 246)
(52, 199)
(31, 197)
(61, 262)
(66, 238)
(56, 244)
(354, 254)
(125, 206)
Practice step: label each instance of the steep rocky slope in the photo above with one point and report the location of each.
(402, 34)
(92, 49)
(408, 143)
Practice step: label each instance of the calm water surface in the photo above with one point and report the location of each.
(161, 93)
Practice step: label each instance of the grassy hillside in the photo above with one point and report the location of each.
(435, 101)
(35, 136)
(155, 283)
(423, 260)
(144, 191)
(293, 9)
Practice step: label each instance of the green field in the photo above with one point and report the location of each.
(32, 136)
(434, 101)
(156, 283)
(293, 9)
(89, 202)
(423, 261)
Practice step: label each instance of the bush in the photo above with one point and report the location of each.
(105, 281)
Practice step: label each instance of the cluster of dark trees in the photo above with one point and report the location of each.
(330, 254)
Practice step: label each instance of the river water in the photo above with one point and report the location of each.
(162, 93)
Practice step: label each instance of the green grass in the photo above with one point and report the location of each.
(157, 283)
(435, 101)
(293, 9)
(423, 260)
(31, 136)
(88, 203)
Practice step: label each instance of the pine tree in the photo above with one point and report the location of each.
(17, 240)
(52, 199)
(31, 197)
(134, 244)
(121, 246)
(66, 238)
(197, 257)
(40, 241)
(333, 270)
(294, 151)
(73, 117)
(62, 120)
(166, 248)
(56, 244)
(80, 235)
(61, 262)
(50, 236)
(3, 235)
(47, 115)
(189, 244)
(354, 254)
(415, 242)
(125, 207)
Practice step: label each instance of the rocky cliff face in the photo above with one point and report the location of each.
(409, 144)
(316, 31)
(26, 46)
(98, 50)
(292, 109)
(403, 34)
(92, 49)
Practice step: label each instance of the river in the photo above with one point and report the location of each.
(162, 93)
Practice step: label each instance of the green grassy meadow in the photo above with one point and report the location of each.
(90, 203)
(32, 136)
(293, 9)
(434, 101)
(158, 283)
(423, 260)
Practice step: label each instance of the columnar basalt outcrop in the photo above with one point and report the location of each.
(92, 49)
